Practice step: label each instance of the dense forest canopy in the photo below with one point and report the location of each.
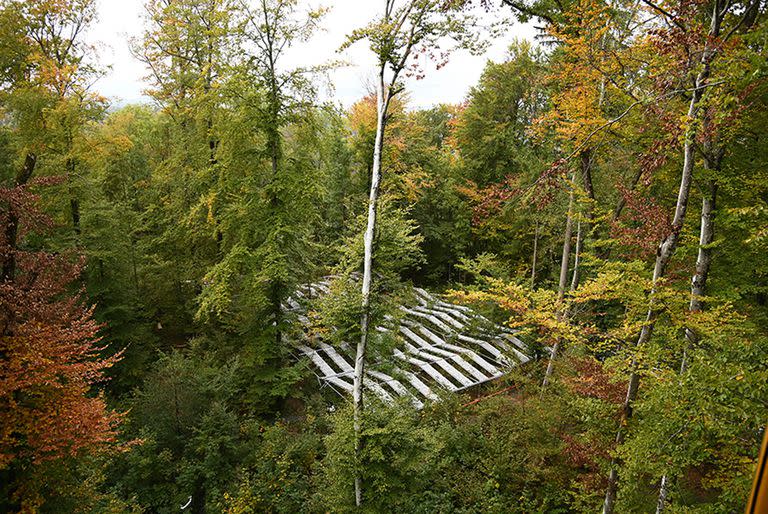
(602, 191)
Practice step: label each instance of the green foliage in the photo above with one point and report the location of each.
(199, 218)
(398, 463)
(501, 455)
(280, 474)
(703, 426)
(188, 438)
(396, 252)
(501, 108)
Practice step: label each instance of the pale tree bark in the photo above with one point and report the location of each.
(663, 492)
(383, 97)
(394, 38)
(713, 156)
(564, 262)
(667, 246)
(703, 261)
(582, 228)
(577, 255)
(535, 254)
(566, 255)
(698, 290)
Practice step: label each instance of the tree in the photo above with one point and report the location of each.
(403, 30)
(707, 45)
(188, 49)
(272, 27)
(45, 81)
(270, 181)
(50, 358)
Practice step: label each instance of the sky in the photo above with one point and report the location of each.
(121, 20)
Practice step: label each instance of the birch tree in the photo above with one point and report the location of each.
(562, 282)
(404, 32)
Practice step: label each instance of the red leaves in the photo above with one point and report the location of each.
(587, 450)
(549, 182)
(423, 55)
(646, 223)
(681, 45)
(491, 200)
(593, 381)
(49, 351)
(586, 455)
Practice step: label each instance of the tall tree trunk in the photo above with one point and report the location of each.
(274, 144)
(577, 255)
(74, 203)
(535, 253)
(698, 289)
(703, 263)
(275, 203)
(74, 207)
(586, 179)
(566, 254)
(12, 228)
(134, 269)
(382, 104)
(663, 492)
(198, 497)
(666, 248)
(564, 261)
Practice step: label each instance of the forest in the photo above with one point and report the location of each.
(601, 193)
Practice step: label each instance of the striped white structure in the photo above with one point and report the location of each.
(439, 347)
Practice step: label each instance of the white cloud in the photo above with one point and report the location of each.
(120, 20)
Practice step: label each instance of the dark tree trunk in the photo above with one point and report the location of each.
(12, 228)
(74, 203)
(74, 207)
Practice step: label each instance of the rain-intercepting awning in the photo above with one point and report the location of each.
(440, 347)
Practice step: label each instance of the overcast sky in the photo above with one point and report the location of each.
(119, 20)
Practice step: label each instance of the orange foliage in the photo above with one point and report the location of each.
(593, 381)
(49, 352)
(579, 78)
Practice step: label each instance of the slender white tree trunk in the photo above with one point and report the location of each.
(566, 256)
(698, 289)
(382, 103)
(535, 254)
(663, 491)
(577, 256)
(704, 260)
(666, 249)
(564, 261)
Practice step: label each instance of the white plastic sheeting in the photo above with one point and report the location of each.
(439, 347)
